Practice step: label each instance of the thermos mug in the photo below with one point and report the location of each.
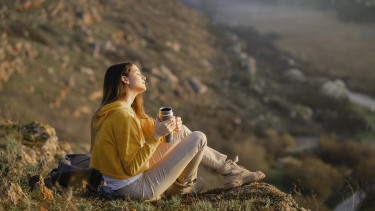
(166, 113)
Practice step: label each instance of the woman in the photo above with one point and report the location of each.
(143, 169)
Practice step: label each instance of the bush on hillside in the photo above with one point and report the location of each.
(276, 144)
(359, 157)
(365, 171)
(340, 153)
(316, 177)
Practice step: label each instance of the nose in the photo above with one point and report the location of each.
(144, 78)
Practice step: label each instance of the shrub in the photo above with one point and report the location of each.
(315, 176)
(347, 153)
(359, 157)
(365, 171)
(276, 144)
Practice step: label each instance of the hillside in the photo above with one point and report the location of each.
(28, 153)
(233, 84)
(55, 55)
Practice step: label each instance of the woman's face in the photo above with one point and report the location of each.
(136, 81)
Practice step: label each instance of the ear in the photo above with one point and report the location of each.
(124, 79)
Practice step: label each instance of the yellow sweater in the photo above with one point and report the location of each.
(119, 148)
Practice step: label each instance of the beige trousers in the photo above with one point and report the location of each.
(178, 159)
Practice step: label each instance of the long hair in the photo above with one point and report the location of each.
(114, 89)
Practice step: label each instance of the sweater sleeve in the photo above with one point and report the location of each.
(134, 157)
(148, 126)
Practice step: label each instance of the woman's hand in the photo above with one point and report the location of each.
(164, 128)
(178, 124)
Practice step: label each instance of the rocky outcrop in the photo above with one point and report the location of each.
(11, 193)
(13, 56)
(40, 142)
(41, 192)
(261, 195)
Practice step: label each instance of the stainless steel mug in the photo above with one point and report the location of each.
(166, 113)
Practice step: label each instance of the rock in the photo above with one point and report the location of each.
(95, 95)
(40, 142)
(173, 45)
(88, 71)
(295, 75)
(41, 192)
(263, 196)
(13, 55)
(29, 157)
(335, 89)
(206, 65)
(11, 193)
(198, 86)
(81, 110)
(237, 121)
(291, 62)
(119, 38)
(249, 64)
(165, 73)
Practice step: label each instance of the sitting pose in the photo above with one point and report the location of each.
(145, 169)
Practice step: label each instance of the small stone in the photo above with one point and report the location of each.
(42, 192)
(198, 86)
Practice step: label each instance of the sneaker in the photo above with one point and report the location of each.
(239, 175)
(191, 187)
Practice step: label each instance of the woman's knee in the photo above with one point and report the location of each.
(200, 138)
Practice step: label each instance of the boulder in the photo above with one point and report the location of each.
(336, 89)
(40, 142)
(165, 73)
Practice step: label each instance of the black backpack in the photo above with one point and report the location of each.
(74, 169)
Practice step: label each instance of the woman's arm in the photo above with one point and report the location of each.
(133, 156)
(148, 126)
